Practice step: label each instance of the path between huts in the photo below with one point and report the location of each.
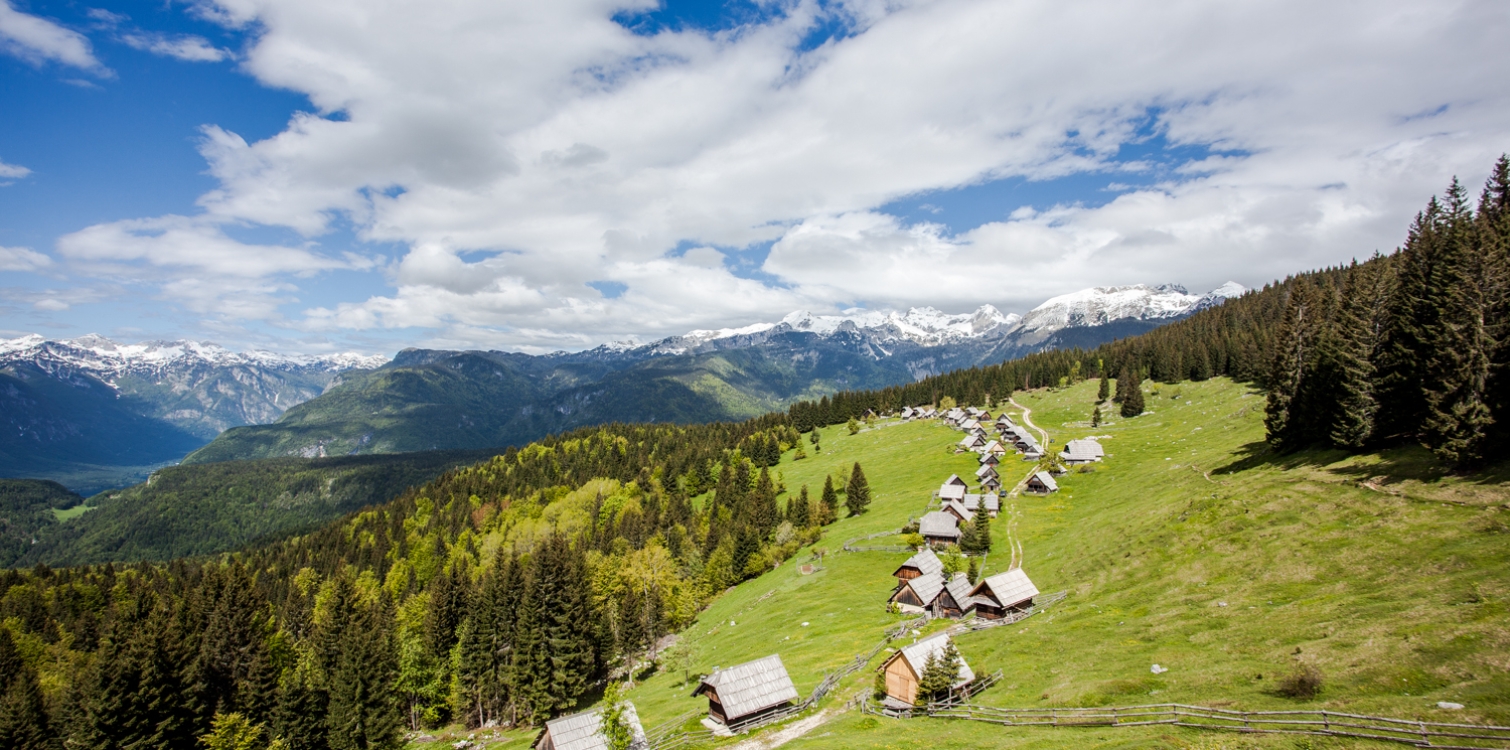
(786, 734)
(1028, 420)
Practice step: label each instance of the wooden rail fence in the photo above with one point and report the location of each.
(851, 546)
(1327, 723)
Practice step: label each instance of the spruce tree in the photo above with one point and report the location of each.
(1105, 389)
(857, 493)
(939, 673)
(1287, 426)
(797, 510)
(1096, 416)
(364, 713)
(24, 723)
(765, 515)
(983, 529)
(1403, 353)
(1352, 348)
(967, 538)
(1130, 385)
(830, 497)
(1494, 236)
(1458, 420)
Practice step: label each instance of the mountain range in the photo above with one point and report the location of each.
(79, 410)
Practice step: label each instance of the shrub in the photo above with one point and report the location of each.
(1304, 682)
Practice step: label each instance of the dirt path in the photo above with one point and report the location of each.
(787, 734)
(1028, 420)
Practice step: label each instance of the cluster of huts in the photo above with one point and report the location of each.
(942, 526)
(923, 587)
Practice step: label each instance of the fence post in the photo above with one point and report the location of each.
(1424, 738)
(1326, 722)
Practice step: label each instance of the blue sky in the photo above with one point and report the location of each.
(270, 173)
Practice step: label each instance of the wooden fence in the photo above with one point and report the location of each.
(1327, 723)
(851, 546)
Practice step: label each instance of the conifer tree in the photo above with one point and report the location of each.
(1287, 425)
(1352, 348)
(765, 514)
(798, 510)
(830, 497)
(967, 542)
(857, 493)
(299, 722)
(983, 530)
(1494, 236)
(1130, 387)
(1457, 421)
(364, 713)
(1403, 353)
(1105, 389)
(1096, 416)
(939, 673)
(24, 723)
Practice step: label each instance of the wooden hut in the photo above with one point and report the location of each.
(1002, 593)
(990, 459)
(904, 670)
(1083, 451)
(958, 509)
(990, 484)
(985, 470)
(990, 501)
(954, 479)
(584, 731)
(747, 691)
(939, 527)
(935, 594)
(922, 563)
(952, 492)
(1041, 483)
(971, 441)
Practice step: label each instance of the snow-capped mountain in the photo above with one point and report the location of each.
(928, 327)
(99, 355)
(200, 388)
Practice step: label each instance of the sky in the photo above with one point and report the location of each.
(351, 175)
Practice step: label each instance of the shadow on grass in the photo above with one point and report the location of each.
(1390, 464)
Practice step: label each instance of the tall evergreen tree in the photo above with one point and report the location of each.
(24, 724)
(857, 493)
(1494, 236)
(1105, 389)
(364, 713)
(1403, 353)
(765, 515)
(1130, 388)
(1288, 427)
(798, 510)
(830, 497)
(1355, 337)
(1459, 344)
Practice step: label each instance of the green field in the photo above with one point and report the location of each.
(1191, 547)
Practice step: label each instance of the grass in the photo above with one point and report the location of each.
(1191, 547)
(71, 513)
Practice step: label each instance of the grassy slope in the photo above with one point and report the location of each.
(1397, 594)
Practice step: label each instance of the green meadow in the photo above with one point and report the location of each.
(1191, 547)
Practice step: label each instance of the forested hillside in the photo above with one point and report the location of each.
(199, 510)
(29, 507)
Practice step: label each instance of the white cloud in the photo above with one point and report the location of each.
(186, 47)
(569, 150)
(38, 40)
(12, 171)
(22, 259)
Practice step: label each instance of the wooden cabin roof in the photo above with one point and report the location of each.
(924, 562)
(958, 509)
(952, 492)
(985, 470)
(1005, 589)
(583, 731)
(1047, 480)
(939, 524)
(1083, 450)
(954, 479)
(752, 686)
(917, 656)
(991, 499)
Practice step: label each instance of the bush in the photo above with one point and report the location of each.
(1304, 682)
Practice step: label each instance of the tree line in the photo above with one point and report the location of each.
(1413, 346)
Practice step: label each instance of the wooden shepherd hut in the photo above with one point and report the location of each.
(747, 691)
(1041, 483)
(1083, 451)
(959, 510)
(990, 484)
(936, 594)
(1002, 593)
(955, 480)
(584, 731)
(922, 563)
(990, 502)
(939, 527)
(904, 670)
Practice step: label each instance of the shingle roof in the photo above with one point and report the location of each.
(954, 479)
(959, 590)
(959, 508)
(927, 587)
(1006, 589)
(926, 562)
(918, 653)
(1048, 480)
(582, 731)
(1083, 450)
(973, 501)
(939, 523)
(746, 688)
(951, 492)
(985, 470)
